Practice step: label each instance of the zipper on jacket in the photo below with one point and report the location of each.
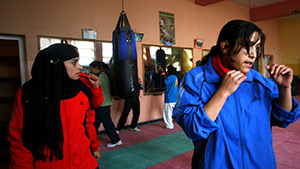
(240, 129)
(68, 138)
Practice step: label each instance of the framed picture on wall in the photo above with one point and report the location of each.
(89, 34)
(166, 27)
(199, 43)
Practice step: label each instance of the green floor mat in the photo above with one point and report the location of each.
(147, 153)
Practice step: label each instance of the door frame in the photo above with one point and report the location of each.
(21, 42)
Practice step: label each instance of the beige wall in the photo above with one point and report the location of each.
(271, 29)
(290, 42)
(66, 18)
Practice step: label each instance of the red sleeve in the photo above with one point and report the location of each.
(20, 156)
(91, 130)
(97, 94)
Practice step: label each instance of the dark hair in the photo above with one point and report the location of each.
(171, 70)
(160, 65)
(97, 64)
(105, 66)
(237, 33)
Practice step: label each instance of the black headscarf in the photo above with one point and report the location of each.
(42, 128)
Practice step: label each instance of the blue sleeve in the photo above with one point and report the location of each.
(286, 117)
(189, 112)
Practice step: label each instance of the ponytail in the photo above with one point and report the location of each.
(214, 51)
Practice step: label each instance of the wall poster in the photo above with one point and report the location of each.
(166, 28)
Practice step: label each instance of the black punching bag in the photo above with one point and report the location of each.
(161, 58)
(124, 60)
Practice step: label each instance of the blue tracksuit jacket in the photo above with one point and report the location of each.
(241, 135)
(171, 91)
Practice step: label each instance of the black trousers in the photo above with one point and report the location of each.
(103, 116)
(130, 103)
(199, 154)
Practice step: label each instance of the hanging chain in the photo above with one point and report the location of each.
(249, 10)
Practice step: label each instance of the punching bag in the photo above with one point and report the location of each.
(124, 60)
(161, 58)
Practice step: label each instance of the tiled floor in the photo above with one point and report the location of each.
(149, 131)
(286, 143)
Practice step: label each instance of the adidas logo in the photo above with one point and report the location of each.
(81, 103)
(254, 99)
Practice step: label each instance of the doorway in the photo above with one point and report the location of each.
(12, 76)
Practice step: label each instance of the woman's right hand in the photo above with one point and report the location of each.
(231, 81)
(97, 155)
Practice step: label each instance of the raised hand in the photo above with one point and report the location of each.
(94, 80)
(281, 74)
(232, 81)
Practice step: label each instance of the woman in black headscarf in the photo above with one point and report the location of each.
(51, 125)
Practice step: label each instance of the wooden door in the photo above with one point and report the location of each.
(10, 82)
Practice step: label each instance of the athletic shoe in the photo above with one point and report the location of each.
(110, 145)
(135, 129)
(165, 127)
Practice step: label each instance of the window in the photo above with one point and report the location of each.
(89, 50)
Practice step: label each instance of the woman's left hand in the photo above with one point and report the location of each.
(94, 80)
(281, 74)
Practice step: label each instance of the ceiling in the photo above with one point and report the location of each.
(255, 3)
(263, 9)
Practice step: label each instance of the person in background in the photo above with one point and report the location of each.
(131, 102)
(103, 112)
(170, 96)
(51, 125)
(149, 71)
(158, 79)
(228, 109)
(97, 98)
